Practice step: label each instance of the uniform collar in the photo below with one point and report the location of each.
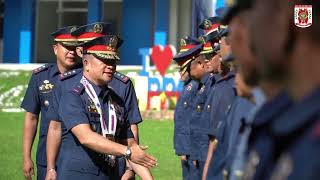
(54, 70)
(298, 115)
(259, 96)
(187, 81)
(100, 91)
(204, 79)
(272, 109)
(226, 77)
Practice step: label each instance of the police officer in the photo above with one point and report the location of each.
(293, 139)
(197, 70)
(97, 128)
(255, 125)
(38, 99)
(184, 106)
(222, 98)
(210, 43)
(121, 84)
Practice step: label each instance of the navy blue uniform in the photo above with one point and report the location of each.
(200, 122)
(223, 96)
(235, 165)
(75, 107)
(182, 142)
(38, 99)
(260, 141)
(227, 138)
(121, 85)
(294, 143)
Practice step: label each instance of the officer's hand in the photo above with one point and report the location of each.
(51, 175)
(144, 147)
(140, 157)
(28, 169)
(183, 157)
(128, 175)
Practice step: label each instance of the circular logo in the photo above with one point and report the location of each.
(97, 28)
(113, 42)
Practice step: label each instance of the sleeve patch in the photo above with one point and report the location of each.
(77, 89)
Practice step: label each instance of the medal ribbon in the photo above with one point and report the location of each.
(112, 123)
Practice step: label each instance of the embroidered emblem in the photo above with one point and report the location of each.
(46, 87)
(303, 16)
(189, 87)
(97, 28)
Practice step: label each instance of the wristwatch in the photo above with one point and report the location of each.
(127, 153)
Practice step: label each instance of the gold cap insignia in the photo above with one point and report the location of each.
(97, 28)
(183, 42)
(207, 24)
(113, 43)
(202, 40)
(73, 29)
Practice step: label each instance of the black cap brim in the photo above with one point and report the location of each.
(229, 14)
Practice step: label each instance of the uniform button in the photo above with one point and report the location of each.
(185, 104)
(198, 108)
(46, 103)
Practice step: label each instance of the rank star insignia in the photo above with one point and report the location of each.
(202, 89)
(189, 87)
(303, 16)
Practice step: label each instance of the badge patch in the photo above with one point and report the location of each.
(303, 15)
(46, 87)
(189, 87)
(92, 107)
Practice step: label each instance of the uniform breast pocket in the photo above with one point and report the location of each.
(46, 100)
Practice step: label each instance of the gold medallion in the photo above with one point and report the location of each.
(97, 28)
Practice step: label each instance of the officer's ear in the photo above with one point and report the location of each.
(55, 48)
(79, 51)
(86, 62)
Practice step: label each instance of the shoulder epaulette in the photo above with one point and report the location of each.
(69, 74)
(41, 68)
(121, 77)
(77, 89)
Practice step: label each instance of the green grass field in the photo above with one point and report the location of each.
(156, 134)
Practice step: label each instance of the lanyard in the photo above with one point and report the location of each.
(112, 123)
